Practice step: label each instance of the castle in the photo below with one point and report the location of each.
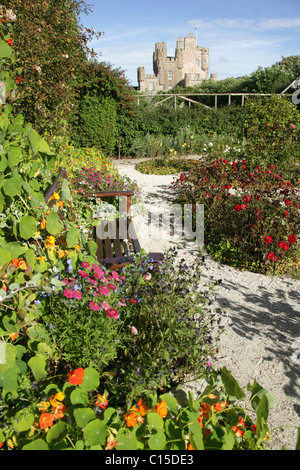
(189, 66)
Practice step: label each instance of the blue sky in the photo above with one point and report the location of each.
(240, 35)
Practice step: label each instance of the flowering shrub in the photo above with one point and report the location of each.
(251, 216)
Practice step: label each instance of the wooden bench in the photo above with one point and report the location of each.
(116, 240)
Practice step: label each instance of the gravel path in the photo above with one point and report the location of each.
(260, 313)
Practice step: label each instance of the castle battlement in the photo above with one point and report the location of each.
(189, 66)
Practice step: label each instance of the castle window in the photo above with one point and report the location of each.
(170, 75)
(197, 62)
(151, 86)
(197, 76)
(204, 61)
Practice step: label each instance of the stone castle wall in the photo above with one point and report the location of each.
(189, 66)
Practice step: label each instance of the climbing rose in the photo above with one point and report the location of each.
(292, 239)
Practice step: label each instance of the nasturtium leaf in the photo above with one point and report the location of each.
(72, 237)
(234, 391)
(90, 380)
(126, 440)
(14, 155)
(27, 226)
(57, 433)
(38, 444)
(3, 162)
(9, 378)
(12, 186)
(157, 441)
(95, 432)
(196, 436)
(38, 365)
(5, 256)
(155, 421)
(83, 416)
(37, 143)
(79, 397)
(23, 420)
(171, 402)
(53, 223)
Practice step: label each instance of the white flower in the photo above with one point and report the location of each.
(10, 15)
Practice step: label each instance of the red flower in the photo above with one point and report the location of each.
(112, 313)
(292, 239)
(9, 42)
(270, 255)
(246, 198)
(76, 376)
(288, 202)
(268, 239)
(237, 207)
(133, 301)
(243, 206)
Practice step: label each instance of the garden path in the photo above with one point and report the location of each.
(260, 313)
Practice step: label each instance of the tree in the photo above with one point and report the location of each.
(51, 48)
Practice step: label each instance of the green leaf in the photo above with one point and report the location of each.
(9, 378)
(5, 256)
(12, 186)
(257, 393)
(127, 440)
(171, 402)
(155, 421)
(157, 440)
(196, 436)
(56, 433)
(262, 413)
(14, 155)
(28, 226)
(90, 380)
(23, 420)
(234, 391)
(53, 223)
(3, 163)
(38, 365)
(5, 50)
(83, 416)
(95, 432)
(79, 397)
(72, 237)
(37, 143)
(38, 444)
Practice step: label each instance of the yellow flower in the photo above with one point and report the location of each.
(50, 242)
(43, 405)
(54, 196)
(36, 235)
(77, 247)
(56, 399)
(41, 259)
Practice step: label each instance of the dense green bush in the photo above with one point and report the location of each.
(97, 124)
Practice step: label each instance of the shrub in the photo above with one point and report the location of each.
(251, 216)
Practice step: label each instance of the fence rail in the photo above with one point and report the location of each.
(184, 96)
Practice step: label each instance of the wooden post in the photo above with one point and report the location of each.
(175, 103)
(119, 154)
(243, 100)
(229, 99)
(216, 101)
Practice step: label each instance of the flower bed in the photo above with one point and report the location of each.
(251, 215)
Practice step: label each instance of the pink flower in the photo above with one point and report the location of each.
(148, 276)
(94, 306)
(83, 273)
(77, 295)
(243, 206)
(111, 286)
(133, 330)
(103, 290)
(68, 293)
(115, 275)
(112, 313)
(85, 264)
(105, 306)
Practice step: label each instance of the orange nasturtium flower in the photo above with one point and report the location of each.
(237, 429)
(161, 409)
(76, 376)
(101, 401)
(132, 419)
(56, 399)
(22, 264)
(14, 336)
(15, 262)
(43, 224)
(205, 410)
(59, 411)
(220, 406)
(46, 420)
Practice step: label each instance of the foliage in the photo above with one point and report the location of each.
(251, 214)
(71, 414)
(50, 48)
(272, 125)
(105, 107)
